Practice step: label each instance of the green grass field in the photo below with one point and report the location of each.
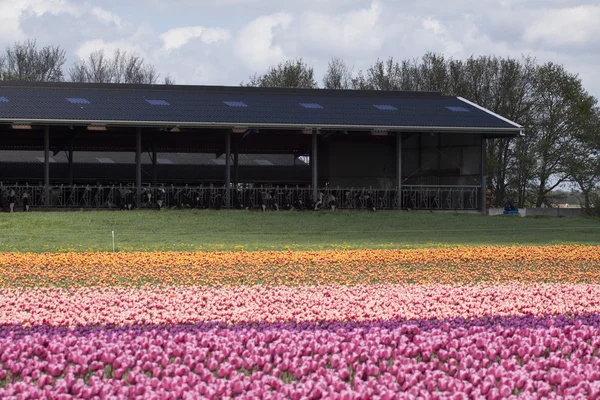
(188, 230)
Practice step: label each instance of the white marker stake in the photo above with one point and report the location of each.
(113, 238)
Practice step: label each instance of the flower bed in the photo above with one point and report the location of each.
(486, 322)
(566, 264)
(497, 358)
(233, 305)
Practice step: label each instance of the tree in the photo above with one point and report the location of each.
(503, 85)
(562, 110)
(123, 67)
(169, 80)
(338, 75)
(25, 61)
(583, 161)
(383, 75)
(288, 74)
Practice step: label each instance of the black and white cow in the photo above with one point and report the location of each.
(126, 199)
(12, 200)
(147, 197)
(323, 200)
(268, 200)
(248, 201)
(299, 201)
(368, 199)
(26, 202)
(160, 198)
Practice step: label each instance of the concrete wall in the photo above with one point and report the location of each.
(550, 212)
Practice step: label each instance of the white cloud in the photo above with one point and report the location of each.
(255, 45)
(90, 46)
(442, 40)
(178, 37)
(13, 11)
(106, 16)
(566, 26)
(355, 31)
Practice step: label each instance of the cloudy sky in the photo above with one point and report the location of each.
(225, 41)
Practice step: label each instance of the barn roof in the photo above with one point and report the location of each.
(214, 106)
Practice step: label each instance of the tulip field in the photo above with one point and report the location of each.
(449, 322)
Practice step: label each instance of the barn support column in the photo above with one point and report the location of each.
(313, 163)
(236, 168)
(228, 169)
(482, 197)
(47, 165)
(70, 159)
(138, 166)
(154, 163)
(399, 168)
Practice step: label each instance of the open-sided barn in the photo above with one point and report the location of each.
(68, 144)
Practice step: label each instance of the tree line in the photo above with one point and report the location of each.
(561, 119)
(30, 62)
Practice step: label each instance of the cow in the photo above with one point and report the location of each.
(323, 200)
(299, 202)
(160, 198)
(269, 200)
(248, 202)
(218, 199)
(126, 199)
(12, 200)
(368, 199)
(147, 196)
(26, 202)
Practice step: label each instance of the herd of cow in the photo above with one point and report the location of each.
(124, 198)
(247, 199)
(8, 201)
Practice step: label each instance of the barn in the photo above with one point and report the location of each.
(85, 145)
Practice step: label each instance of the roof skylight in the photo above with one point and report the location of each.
(236, 103)
(458, 109)
(157, 102)
(385, 107)
(77, 100)
(311, 105)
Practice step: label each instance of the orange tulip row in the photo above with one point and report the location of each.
(564, 264)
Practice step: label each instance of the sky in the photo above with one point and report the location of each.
(222, 42)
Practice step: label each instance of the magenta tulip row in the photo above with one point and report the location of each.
(543, 357)
(175, 305)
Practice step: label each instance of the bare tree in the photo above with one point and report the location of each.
(169, 80)
(123, 67)
(288, 74)
(338, 75)
(25, 61)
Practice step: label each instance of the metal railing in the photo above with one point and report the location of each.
(415, 197)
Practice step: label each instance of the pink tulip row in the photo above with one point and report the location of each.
(174, 305)
(549, 358)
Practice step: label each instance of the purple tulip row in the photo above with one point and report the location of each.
(489, 357)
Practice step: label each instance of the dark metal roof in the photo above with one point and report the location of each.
(207, 106)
